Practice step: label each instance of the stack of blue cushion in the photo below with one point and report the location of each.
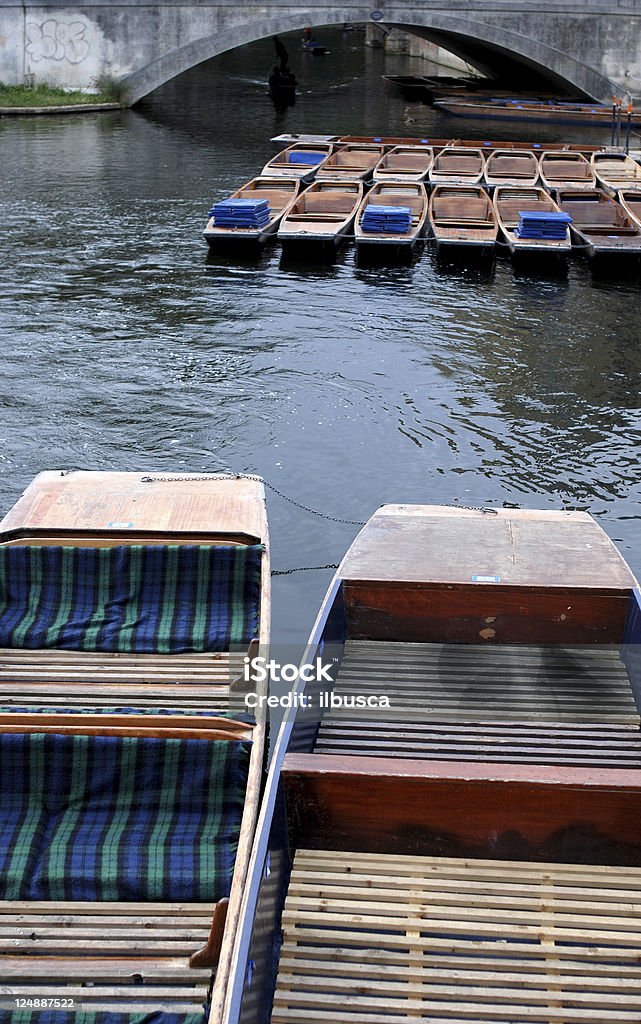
(546, 224)
(299, 156)
(392, 220)
(240, 213)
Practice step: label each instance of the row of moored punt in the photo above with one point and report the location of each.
(388, 197)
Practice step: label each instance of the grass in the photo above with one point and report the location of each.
(49, 96)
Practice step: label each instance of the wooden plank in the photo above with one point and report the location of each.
(363, 966)
(391, 804)
(441, 544)
(206, 504)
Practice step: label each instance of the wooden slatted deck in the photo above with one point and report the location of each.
(198, 682)
(118, 956)
(372, 938)
(540, 705)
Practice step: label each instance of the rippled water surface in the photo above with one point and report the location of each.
(126, 347)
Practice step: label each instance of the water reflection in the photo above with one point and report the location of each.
(127, 345)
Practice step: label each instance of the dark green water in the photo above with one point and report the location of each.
(124, 347)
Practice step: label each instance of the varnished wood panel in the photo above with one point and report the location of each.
(478, 613)
(464, 809)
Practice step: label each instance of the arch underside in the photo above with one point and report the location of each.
(528, 60)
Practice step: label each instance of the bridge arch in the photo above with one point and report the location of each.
(517, 37)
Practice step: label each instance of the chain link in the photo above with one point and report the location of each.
(304, 568)
(259, 479)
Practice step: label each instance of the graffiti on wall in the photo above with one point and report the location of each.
(59, 40)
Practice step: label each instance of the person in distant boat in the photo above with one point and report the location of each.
(308, 35)
(281, 53)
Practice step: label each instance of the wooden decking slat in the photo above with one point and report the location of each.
(370, 937)
(513, 703)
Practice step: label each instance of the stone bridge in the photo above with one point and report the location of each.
(592, 46)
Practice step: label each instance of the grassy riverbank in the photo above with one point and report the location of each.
(49, 96)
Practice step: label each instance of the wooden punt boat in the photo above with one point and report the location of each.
(509, 203)
(566, 170)
(473, 851)
(600, 223)
(279, 192)
(615, 171)
(410, 195)
(389, 141)
(302, 160)
(404, 163)
(128, 603)
(511, 167)
(462, 216)
(322, 215)
(526, 110)
(630, 200)
(353, 162)
(456, 165)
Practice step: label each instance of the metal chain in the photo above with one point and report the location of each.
(259, 479)
(304, 568)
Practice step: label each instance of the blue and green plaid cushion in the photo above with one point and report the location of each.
(119, 818)
(138, 599)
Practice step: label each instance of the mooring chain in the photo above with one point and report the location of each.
(259, 479)
(304, 568)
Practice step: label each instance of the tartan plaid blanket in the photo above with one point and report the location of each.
(139, 599)
(119, 818)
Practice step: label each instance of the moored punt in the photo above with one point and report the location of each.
(510, 202)
(278, 192)
(472, 850)
(462, 216)
(302, 160)
(353, 162)
(395, 205)
(615, 171)
(526, 110)
(630, 200)
(389, 141)
(566, 170)
(128, 603)
(456, 165)
(511, 167)
(322, 215)
(600, 223)
(404, 163)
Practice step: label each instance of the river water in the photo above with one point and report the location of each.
(126, 347)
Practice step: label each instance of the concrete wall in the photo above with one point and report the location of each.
(595, 46)
(396, 40)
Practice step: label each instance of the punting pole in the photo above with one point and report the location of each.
(614, 118)
(619, 104)
(627, 128)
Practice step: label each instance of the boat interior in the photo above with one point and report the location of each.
(128, 605)
(301, 159)
(356, 159)
(616, 170)
(414, 161)
(504, 167)
(458, 162)
(326, 201)
(511, 201)
(471, 852)
(570, 167)
(596, 213)
(410, 194)
(458, 206)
